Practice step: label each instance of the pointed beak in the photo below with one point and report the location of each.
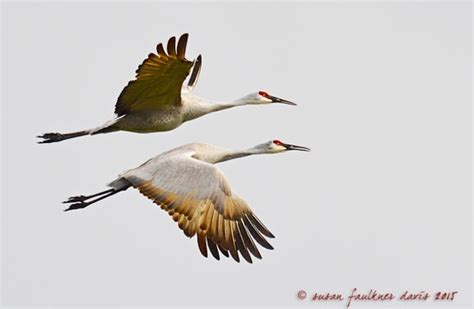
(294, 147)
(282, 101)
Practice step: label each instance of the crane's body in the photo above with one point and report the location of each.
(185, 182)
(158, 101)
(168, 117)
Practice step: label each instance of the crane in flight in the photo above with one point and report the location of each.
(157, 100)
(185, 183)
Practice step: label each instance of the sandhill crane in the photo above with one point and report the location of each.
(185, 182)
(157, 100)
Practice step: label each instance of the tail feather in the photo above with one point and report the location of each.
(57, 137)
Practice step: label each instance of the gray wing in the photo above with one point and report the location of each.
(198, 197)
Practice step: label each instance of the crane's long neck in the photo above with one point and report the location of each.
(197, 107)
(226, 155)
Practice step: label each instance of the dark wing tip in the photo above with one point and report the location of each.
(202, 244)
(182, 42)
(259, 225)
(240, 245)
(184, 37)
(256, 235)
(234, 254)
(223, 251)
(213, 248)
(160, 50)
(171, 47)
(195, 73)
(248, 241)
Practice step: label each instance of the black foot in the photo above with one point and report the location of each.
(77, 206)
(73, 199)
(50, 138)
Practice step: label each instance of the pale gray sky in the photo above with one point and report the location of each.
(383, 201)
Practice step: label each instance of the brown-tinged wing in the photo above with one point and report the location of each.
(158, 80)
(198, 197)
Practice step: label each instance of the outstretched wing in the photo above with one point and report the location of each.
(197, 196)
(158, 80)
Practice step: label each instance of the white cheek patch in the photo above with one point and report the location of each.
(278, 148)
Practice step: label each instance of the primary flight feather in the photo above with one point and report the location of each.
(157, 100)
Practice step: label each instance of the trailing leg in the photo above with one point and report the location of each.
(83, 201)
(57, 137)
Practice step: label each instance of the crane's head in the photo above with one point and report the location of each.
(276, 146)
(262, 97)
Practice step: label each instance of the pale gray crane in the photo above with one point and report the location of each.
(185, 182)
(157, 100)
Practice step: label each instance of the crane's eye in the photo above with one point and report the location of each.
(263, 94)
(277, 142)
